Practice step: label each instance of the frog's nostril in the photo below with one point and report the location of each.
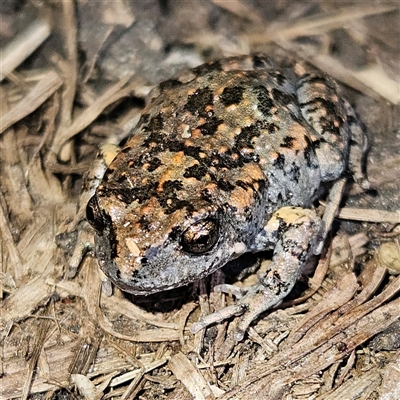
(95, 215)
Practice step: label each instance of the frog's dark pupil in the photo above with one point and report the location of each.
(200, 237)
(203, 239)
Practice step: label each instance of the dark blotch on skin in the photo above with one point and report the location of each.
(282, 97)
(96, 217)
(174, 146)
(144, 223)
(163, 145)
(351, 120)
(287, 142)
(328, 125)
(195, 171)
(294, 173)
(193, 151)
(244, 185)
(246, 136)
(257, 193)
(211, 126)
(121, 179)
(169, 187)
(280, 161)
(198, 101)
(225, 160)
(112, 238)
(169, 200)
(155, 124)
(309, 154)
(273, 283)
(179, 205)
(127, 196)
(232, 95)
(154, 163)
(259, 62)
(279, 199)
(265, 103)
(224, 185)
(306, 80)
(152, 139)
(280, 78)
(146, 158)
(206, 195)
(316, 143)
(272, 128)
(282, 228)
(320, 102)
(144, 192)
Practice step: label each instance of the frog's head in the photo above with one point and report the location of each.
(146, 248)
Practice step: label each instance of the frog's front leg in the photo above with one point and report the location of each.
(295, 232)
(78, 234)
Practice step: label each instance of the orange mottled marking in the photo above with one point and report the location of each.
(299, 133)
(209, 108)
(252, 172)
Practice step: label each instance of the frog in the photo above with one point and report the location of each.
(227, 158)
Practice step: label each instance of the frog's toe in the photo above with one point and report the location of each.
(363, 182)
(254, 304)
(75, 243)
(218, 316)
(248, 308)
(232, 290)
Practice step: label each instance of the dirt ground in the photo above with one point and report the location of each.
(76, 73)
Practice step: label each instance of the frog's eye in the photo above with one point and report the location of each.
(200, 237)
(94, 214)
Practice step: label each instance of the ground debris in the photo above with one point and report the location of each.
(73, 77)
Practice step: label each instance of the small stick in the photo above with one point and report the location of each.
(33, 100)
(23, 45)
(369, 215)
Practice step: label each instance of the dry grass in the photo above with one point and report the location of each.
(65, 335)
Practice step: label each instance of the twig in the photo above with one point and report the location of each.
(369, 215)
(71, 66)
(191, 378)
(111, 95)
(318, 24)
(23, 45)
(34, 99)
(7, 237)
(40, 339)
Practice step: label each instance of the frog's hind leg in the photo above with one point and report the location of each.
(340, 138)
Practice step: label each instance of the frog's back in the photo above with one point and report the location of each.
(215, 128)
